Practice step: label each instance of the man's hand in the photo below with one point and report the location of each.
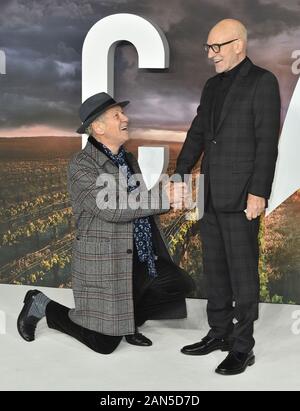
(255, 206)
(176, 192)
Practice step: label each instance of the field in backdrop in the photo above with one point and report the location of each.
(37, 226)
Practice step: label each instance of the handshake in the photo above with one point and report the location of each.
(178, 194)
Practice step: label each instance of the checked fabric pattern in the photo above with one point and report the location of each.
(142, 233)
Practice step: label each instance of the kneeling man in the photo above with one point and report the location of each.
(122, 272)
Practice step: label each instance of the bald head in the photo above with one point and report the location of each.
(229, 28)
(231, 54)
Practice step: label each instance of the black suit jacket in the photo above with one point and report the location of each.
(240, 155)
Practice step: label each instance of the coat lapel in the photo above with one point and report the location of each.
(97, 155)
(102, 160)
(132, 161)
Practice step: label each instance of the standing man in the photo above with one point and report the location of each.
(237, 128)
(122, 272)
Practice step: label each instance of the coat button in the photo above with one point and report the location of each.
(129, 251)
(214, 141)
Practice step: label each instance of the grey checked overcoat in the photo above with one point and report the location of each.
(103, 247)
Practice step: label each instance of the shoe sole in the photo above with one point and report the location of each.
(224, 349)
(26, 298)
(149, 344)
(249, 363)
(140, 345)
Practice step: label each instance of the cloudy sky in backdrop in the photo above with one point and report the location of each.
(41, 92)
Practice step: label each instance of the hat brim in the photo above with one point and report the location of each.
(85, 124)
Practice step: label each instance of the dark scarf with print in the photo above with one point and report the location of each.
(142, 233)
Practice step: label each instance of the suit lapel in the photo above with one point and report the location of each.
(233, 94)
(212, 111)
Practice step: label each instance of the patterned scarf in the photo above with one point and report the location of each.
(142, 233)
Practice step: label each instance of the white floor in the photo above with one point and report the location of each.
(57, 362)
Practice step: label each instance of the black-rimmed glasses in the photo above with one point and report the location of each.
(217, 46)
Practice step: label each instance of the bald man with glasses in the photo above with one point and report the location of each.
(236, 128)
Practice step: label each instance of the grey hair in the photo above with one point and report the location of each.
(89, 129)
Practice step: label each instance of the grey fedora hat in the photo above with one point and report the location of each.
(95, 105)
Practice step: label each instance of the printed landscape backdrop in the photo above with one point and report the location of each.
(40, 96)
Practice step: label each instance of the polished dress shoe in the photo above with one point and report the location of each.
(27, 324)
(138, 339)
(236, 363)
(206, 346)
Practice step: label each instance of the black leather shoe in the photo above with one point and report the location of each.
(27, 325)
(206, 346)
(138, 339)
(236, 363)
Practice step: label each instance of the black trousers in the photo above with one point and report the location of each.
(230, 262)
(150, 297)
